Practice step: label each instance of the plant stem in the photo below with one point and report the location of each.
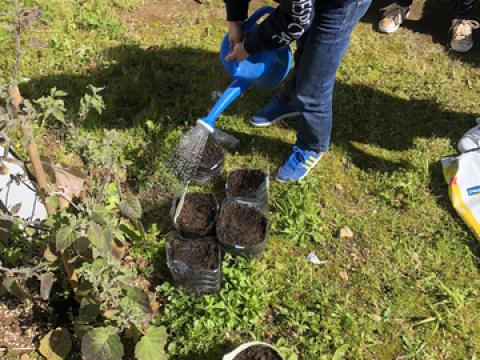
(39, 173)
(18, 45)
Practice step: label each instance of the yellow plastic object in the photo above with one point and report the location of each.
(462, 174)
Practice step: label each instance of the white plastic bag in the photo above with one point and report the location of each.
(17, 193)
(462, 174)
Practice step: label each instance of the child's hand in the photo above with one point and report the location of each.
(235, 32)
(238, 53)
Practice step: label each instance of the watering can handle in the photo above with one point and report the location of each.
(251, 22)
(264, 10)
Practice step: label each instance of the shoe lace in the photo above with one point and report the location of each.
(393, 11)
(463, 28)
(298, 155)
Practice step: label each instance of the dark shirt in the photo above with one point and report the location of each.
(290, 20)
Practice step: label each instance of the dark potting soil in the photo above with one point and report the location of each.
(212, 154)
(258, 352)
(244, 183)
(197, 213)
(241, 225)
(197, 254)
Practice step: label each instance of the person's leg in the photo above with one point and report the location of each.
(280, 108)
(464, 9)
(463, 26)
(404, 3)
(394, 15)
(289, 88)
(325, 46)
(322, 51)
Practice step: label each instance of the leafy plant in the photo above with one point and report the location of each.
(87, 229)
(298, 216)
(199, 323)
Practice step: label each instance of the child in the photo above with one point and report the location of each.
(322, 30)
(462, 24)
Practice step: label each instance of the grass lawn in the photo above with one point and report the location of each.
(406, 286)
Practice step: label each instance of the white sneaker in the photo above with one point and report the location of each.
(393, 16)
(470, 140)
(462, 34)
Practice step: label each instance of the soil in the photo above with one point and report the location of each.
(240, 224)
(258, 352)
(212, 154)
(197, 254)
(21, 326)
(198, 212)
(244, 183)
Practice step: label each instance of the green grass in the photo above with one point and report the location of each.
(401, 103)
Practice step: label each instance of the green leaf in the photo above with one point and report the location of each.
(340, 352)
(152, 345)
(102, 344)
(60, 93)
(131, 208)
(81, 329)
(89, 310)
(136, 301)
(66, 236)
(100, 238)
(56, 345)
(58, 114)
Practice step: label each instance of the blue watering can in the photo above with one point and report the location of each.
(264, 69)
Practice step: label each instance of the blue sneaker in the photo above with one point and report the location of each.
(274, 111)
(298, 165)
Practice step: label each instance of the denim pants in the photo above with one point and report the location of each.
(463, 10)
(319, 53)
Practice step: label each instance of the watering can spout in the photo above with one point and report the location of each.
(206, 125)
(237, 88)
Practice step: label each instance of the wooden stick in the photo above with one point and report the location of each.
(39, 173)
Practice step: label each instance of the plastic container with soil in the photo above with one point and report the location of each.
(242, 229)
(249, 186)
(211, 163)
(194, 263)
(254, 351)
(194, 213)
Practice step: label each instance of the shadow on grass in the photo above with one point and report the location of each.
(432, 18)
(172, 87)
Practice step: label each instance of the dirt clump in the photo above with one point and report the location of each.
(198, 212)
(197, 254)
(244, 183)
(242, 225)
(258, 352)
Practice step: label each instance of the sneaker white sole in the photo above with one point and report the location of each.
(391, 30)
(304, 175)
(461, 49)
(283, 117)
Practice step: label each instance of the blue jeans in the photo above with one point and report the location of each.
(318, 56)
